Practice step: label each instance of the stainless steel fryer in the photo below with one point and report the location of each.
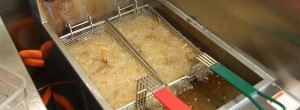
(232, 57)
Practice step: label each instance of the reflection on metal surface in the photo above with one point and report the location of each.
(16, 29)
(17, 18)
(46, 48)
(35, 58)
(267, 30)
(10, 58)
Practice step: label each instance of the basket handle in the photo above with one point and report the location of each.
(242, 85)
(169, 100)
(89, 21)
(126, 7)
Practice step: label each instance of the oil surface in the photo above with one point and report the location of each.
(112, 69)
(209, 95)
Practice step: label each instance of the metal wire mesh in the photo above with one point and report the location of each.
(94, 29)
(145, 84)
(82, 32)
(181, 84)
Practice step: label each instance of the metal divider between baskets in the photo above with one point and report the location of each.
(146, 9)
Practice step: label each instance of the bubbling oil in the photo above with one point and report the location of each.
(161, 47)
(111, 68)
(209, 95)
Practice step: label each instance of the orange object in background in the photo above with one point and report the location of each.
(34, 62)
(35, 58)
(36, 54)
(16, 28)
(64, 102)
(46, 97)
(32, 58)
(46, 48)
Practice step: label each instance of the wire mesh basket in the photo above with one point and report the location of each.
(102, 31)
(176, 85)
(12, 90)
(149, 12)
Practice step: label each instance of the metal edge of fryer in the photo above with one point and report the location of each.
(232, 50)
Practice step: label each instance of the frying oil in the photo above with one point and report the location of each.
(209, 95)
(111, 68)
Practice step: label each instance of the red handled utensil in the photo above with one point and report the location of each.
(166, 97)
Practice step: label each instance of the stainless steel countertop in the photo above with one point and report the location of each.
(10, 58)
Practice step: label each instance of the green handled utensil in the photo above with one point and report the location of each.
(235, 80)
